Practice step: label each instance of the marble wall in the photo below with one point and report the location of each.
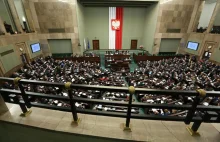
(216, 51)
(203, 38)
(183, 15)
(60, 16)
(43, 15)
(195, 37)
(56, 15)
(14, 40)
(17, 38)
(174, 14)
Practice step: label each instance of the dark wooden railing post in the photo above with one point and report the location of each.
(128, 117)
(22, 106)
(196, 125)
(72, 103)
(24, 96)
(193, 130)
(191, 112)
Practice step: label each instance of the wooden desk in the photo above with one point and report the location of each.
(90, 59)
(117, 58)
(81, 59)
(138, 58)
(119, 66)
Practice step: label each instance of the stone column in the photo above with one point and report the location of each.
(183, 43)
(2, 27)
(34, 16)
(15, 16)
(28, 14)
(156, 44)
(3, 107)
(45, 47)
(212, 20)
(197, 11)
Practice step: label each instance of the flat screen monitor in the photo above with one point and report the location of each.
(35, 47)
(193, 45)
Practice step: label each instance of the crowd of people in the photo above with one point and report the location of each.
(215, 30)
(182, 73)
(64, 71)
(177, 74)
(115, 96)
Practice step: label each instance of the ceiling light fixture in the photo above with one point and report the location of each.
(210, 47)
(23, 18)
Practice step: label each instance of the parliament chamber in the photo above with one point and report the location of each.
(110, 70)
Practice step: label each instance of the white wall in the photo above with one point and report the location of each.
(97, 25)
(81, 26)
(150, 26)
(138, 23)
(133, 25)
(206, 14)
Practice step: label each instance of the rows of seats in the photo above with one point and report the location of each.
(174, 74)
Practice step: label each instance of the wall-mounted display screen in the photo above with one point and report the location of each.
(193, 45)
(35, 47)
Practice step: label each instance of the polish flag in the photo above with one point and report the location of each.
(115, 27)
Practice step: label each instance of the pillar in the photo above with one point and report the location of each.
(193, 25)
(15, 16)
(2, 27)
(212, 20)
(3, 107)
(28, 15)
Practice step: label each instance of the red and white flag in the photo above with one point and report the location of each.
(115, 27)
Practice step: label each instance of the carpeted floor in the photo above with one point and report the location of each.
(133, 65)
(102, 57)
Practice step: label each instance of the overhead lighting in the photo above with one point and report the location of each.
(23, 18)
(166, 1)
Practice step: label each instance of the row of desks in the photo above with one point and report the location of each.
(138, 58)
(119, 57)
(81, 59)
(117, 62)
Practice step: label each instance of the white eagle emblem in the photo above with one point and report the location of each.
(115, 24)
